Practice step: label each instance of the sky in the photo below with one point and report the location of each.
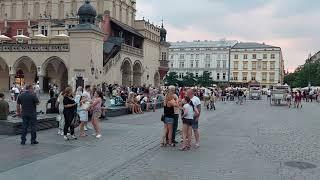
(292, 25)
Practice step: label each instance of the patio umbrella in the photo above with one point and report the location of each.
(21, 36)
(61, 36)
(4, 38)
(40, 36)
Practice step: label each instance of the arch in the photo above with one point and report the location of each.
(126, 72)
(55, 72)
(4, 75)
(137, 73)
(26, 65)
(156, 79)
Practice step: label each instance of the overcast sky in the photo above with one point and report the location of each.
(290, 24)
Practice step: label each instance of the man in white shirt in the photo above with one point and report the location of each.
(268, 94)
(16, 92)
(195, 125)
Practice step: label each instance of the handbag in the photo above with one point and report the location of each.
(162, 118)
(76, 120)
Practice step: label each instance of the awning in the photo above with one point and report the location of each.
(111, 43)
(126, 27)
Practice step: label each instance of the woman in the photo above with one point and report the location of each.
(69, 110)
(168, 118)
(137, 104)
(189, 112)
(96, 113)
(60, 117)
(298, 99)
(288, 98)
(130, 103)
(82, 111)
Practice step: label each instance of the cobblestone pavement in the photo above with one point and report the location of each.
(249, 142)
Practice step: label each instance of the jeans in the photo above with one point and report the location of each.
(29, 120)
(175, 126)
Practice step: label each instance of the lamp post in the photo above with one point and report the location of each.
(309, 69)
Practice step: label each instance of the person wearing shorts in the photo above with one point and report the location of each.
(195, 125)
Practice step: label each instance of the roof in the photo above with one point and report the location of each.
(87, 10)
(251, 45)
(86, 26)
(203, 44)
(110, 43)
(126, 27)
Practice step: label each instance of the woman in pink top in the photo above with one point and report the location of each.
(96, 112)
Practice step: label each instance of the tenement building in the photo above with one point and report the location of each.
(76, 42)
(256, 62)
(199, 56)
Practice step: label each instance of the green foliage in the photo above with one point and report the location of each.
(205, 80)
(172, 79)
(310, 71)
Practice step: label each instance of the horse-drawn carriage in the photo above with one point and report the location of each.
(278, 94)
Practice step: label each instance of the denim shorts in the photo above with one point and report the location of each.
(168, 120)
(195, 124)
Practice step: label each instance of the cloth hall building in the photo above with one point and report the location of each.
(76, 42)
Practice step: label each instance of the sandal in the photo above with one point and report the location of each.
(184, 148)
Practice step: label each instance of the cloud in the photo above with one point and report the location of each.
(291, 24)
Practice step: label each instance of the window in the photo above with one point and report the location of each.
(36, 10)
(235, 76)
(180, 75)
(245, 56)
(207, 64)
(224, 64)
(197, 74)
(181, 56)
(171, 64)
(224, 76)
(219, 56)
(245, 65)
(271, 76)
(44, 30)
(191, 63)
(259, 65)
(19, 31)
(224, 56)
(265, 56)
(272, 65)
(253, 76)
(171, 57)
(235, 65)
(61, 10)
(13, 10)
(192, 56)
(245, 76)
(273, 56)
(164, 56)
(181, 65)
(254, 56)
(208, 56)
(218, 76)
(264, 76)
(254, 65)
(197, 56)
(49, 8)
(197, 63)
(236, 56)
(25, 10)
(264, 65)
(2, 11)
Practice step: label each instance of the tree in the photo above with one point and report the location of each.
(172, 79)
(205, 80)
(188, 80)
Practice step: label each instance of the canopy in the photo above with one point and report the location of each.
(62, 36)
(40, 36)
(4, 38)
(21, 37)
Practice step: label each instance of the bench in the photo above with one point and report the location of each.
(13, 126)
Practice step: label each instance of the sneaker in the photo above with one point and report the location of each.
(68, 134)
(99, 136)
(34, 142)
(94, 134)
(65, 138)
(85, 128)
(197, 146)
(59, 132)
(89, 127)
(23, 143)
(73, 137)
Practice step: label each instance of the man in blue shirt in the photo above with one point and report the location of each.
(27, 108)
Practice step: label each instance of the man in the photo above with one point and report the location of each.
(27, 108)
(195, 125)
(4, 108)
(206, 97)
(16, 91)
(268, 94)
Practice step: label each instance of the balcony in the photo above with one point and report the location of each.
(34, 48)
(132, 50)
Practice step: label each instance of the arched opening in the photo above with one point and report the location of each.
(4, 76)
(126, 73)
(137, 73)
(26, 71)
(55, 73)
(157, 79)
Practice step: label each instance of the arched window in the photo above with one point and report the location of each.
(49, 8)
(36, 10)
(25, 9)
(74, 7)
(13, 10)
(61, 10)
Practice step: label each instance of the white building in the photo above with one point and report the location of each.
(199, 56)
(256, 62)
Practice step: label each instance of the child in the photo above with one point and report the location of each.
(83, 114)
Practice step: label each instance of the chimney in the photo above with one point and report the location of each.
(106, 25)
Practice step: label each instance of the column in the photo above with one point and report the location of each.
(11, 80)
(40, 79)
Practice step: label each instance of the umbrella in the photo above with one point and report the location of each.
(21, 37)
(4, 38)
(62, 36)
(40, 36)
